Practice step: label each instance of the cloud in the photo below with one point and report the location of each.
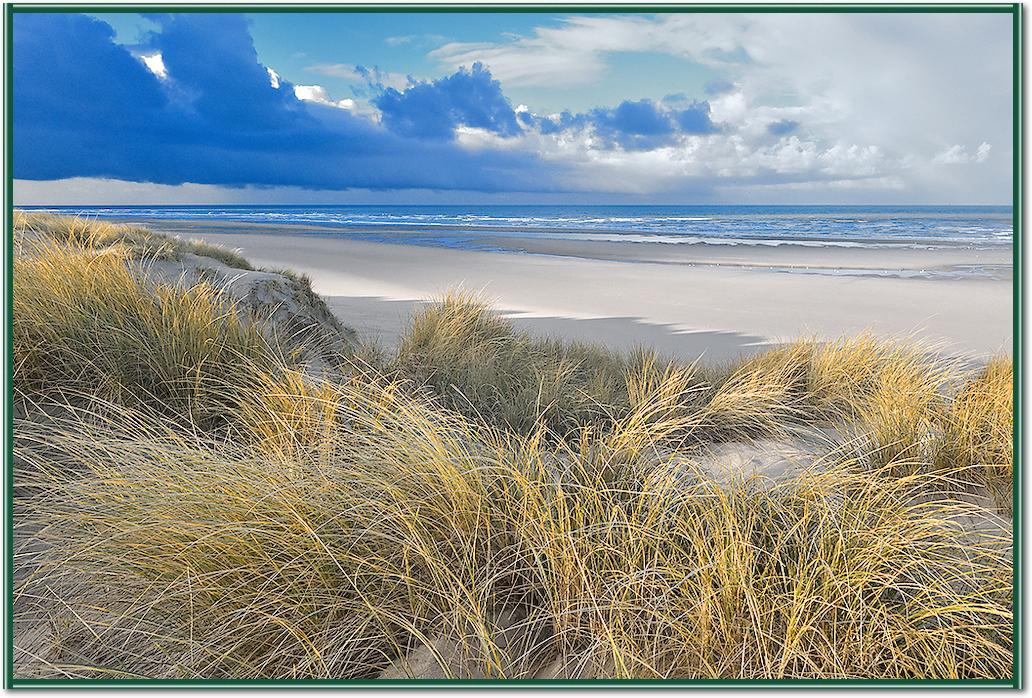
(695, 118)
(881, 97)
(631, 125)
(435, 109)
(156, 65)
(86, 107)
(633, 119)
(318, 95)
(644, 125)
(575, 51)
(958, 155)
(905, 83)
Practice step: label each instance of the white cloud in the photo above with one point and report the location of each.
(958, 155)
(318, 95)
(574, 52)
(703, 163)
(886, 103)
(954, 155)
(876, 97)
(155, 64)
(274, 78)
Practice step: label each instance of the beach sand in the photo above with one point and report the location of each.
(686, 301)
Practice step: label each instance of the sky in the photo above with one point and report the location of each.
(423, 108)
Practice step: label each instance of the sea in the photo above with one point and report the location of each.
(983, 227)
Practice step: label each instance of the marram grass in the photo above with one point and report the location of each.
(83, 320)
(481, 366)
(176, 555)
(978, 430)
(193, 504)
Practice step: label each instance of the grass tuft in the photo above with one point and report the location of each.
(480, 365)
(979, 431)
(84, 322)
(400, 527)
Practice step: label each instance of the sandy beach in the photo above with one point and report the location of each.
(686, 301)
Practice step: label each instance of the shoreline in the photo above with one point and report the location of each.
(906, 259)
(683, 310)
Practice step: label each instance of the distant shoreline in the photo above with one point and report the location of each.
(981, 226)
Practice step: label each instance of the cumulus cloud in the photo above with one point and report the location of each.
(905, 83)
(631, 125)
(435, 109)
(958, 155)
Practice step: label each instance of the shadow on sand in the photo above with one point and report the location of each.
(384, 320)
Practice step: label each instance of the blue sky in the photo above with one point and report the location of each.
(512, 107)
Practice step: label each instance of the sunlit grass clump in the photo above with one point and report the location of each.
(84, 321)
(978, 431)
(482, 366)
(194, 503)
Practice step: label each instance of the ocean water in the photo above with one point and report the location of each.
(470, 226)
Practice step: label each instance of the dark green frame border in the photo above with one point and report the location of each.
(1018, 51)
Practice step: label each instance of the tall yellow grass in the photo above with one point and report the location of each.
(84, 321)
(979, 431)
(174, 555)
(480, 365)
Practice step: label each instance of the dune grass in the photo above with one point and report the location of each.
(84, 321)
(201, 506)
(479, 364)
(978, 431)
(893, 395)
(391, 524)
(141, 242)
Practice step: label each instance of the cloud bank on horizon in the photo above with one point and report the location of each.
(829, 108)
